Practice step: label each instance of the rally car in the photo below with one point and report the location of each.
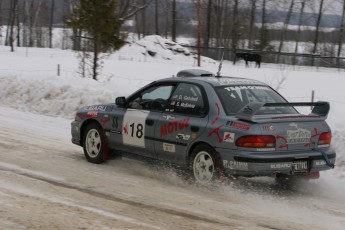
(212, 125)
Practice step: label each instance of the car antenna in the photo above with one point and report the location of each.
(220, 64)
(218, 75)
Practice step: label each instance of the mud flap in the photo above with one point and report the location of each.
(325, 157)
(221, 172)
(105, 147)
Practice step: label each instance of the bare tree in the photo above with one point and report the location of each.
(317, 27)
(341, 32)
(12, 19)
(51, 23)
(235, 27)
(208, 24)
(251, 23)
(173, 24)
(0, 17)
(300, 20)
(263, 32)
(220, 9)
(156, 18)
(285, 26)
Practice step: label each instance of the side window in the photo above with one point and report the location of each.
(187, 99)
(154, 98)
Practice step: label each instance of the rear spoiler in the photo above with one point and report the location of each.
(319, 112)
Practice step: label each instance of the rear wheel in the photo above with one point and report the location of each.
(93, 143)
(204, 165)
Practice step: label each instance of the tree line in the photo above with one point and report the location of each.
(98, 27)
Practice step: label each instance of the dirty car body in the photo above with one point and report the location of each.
(212, 125)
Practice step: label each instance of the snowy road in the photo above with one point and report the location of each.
(45, 183)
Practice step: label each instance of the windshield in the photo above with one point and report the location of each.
(235, 98)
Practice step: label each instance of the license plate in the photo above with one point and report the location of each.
(300, 166)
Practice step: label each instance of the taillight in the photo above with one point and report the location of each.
(324, 139)
(256, 141)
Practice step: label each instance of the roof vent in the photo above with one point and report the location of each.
(194, 73)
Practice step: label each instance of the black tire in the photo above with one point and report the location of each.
(204, 165)
(93, 143)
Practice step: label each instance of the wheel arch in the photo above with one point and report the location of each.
(83, 128)
(191, 149)
(189, 158)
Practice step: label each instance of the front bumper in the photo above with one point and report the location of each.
(75, 131)
(242, 163)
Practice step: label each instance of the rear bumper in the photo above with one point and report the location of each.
(269, 163)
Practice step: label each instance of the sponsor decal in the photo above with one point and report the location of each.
(168, 117)
(168, 147)
(294, 125)
(92, 114)
(218, 114)
(265, 149)
(285, 141)
(241, 87)
(115, 123)
(227, 81)
(280, 166)
(269, 128)
(320, 163)
(104, 121)
(125, 129)
(186, 98)
(133, 126)
(236, 165)
(298, 136)
(185, 105)
(184, 137)
(237, 125)
(229, 137)
(216, 132)
(194, 135)
(97, 108)
(174, 126)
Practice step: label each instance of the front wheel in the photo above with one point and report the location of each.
(204, 165)
(93, 143)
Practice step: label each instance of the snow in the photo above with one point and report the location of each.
(42, 170)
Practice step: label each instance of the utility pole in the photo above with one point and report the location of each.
(199, 31)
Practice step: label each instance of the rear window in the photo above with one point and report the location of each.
(234, 98)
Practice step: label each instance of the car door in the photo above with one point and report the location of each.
(136, 123)
(184, 119)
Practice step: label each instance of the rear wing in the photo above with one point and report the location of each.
(319, 112)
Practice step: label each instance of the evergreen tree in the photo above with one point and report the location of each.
(99, 29)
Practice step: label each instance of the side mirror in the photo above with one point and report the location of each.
(120, 101)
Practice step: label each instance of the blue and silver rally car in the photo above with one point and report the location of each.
(212, 125)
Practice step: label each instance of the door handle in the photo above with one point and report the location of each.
(149, 122)
(194, 128)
